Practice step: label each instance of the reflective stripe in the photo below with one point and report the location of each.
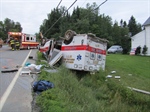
(17, 43)
(12, 42)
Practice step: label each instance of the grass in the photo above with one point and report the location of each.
(75, 92)
(134, 70)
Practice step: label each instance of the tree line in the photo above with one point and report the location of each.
(9, 25)
(88, 20)
(82, 20)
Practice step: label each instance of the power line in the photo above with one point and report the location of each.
(61, 16)
(100, 4)
(59, 4)
(95, 9)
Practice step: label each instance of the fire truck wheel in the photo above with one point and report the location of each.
(69, 35)
(28, 47)
(38, 47)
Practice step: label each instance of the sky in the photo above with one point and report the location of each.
(31, 13)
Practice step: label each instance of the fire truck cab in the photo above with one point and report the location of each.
(26, 41)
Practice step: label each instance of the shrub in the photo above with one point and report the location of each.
(144, 49)
(138, 50)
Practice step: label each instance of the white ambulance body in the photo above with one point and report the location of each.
(85, 52)
(27, 41)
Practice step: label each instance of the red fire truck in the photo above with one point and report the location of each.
(27, 41)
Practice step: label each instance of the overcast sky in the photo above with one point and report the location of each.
(31, 13)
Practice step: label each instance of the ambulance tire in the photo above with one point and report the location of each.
(69, 34)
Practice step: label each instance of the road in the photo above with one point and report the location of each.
(15, 89)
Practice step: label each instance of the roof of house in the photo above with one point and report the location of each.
(147, 22)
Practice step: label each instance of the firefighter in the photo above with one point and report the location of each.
(12, 43)
(17, 44)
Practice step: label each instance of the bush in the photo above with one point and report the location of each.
(144, 49)
(138, 50)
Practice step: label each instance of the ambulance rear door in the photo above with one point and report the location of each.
(97, 53)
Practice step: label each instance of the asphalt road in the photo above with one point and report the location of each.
(15, 89)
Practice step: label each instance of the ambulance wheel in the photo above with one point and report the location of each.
(69, 35)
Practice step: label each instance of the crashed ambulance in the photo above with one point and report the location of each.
(84, 52)
(27, 41)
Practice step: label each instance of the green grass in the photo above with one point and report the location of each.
(134, 70)
(75, 92)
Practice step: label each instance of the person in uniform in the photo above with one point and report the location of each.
(12, 43)
(17, 44)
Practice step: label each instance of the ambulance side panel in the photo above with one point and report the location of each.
(85, 53)
(74, 53)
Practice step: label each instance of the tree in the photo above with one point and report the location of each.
(88, 20)
(134, 28)
(9, 26)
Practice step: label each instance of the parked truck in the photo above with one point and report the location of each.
(84, 52)
(27, 41)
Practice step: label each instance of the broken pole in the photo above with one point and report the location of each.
(138, 90)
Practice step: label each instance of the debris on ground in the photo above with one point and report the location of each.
(33, 67)
(42, 85)
(113, 72)
(130, 74)
(51, 70)
(30, 57)
(27, 64)
(5, 67)
(9, 70)
(139, 90)
(109, 76)
(25, 73)
(117, 77)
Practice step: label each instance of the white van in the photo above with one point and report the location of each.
(115, 49)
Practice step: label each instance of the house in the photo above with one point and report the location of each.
(142, 38)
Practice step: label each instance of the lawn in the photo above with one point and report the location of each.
(134, 70)
(75, 92)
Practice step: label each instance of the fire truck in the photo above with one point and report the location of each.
(27, 41)
(84, 52)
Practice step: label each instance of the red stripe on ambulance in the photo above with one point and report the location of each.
(83, 47)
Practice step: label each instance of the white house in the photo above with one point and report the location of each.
(142, 38)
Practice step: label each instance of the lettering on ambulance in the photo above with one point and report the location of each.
(69, 59)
